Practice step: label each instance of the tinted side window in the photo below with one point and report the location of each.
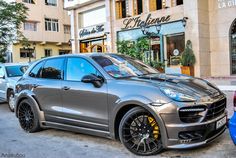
(78, 68)
(36, 71)
(53, 69)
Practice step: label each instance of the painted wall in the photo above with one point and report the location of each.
(39, 51)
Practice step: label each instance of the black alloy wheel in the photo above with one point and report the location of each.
(140, 133)
(28, 117)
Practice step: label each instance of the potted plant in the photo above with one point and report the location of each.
(160, 66)
(188, 60)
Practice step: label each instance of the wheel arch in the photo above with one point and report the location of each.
(29, 95)
(124, 109)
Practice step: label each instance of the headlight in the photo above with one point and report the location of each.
(177, 96)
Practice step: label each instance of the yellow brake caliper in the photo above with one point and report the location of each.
(155, 127)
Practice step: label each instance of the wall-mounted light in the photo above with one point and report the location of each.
(184, 21)
(158, 27)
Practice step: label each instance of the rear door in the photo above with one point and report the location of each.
(48, 87)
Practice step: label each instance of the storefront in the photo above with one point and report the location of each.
(92, 39)
(166, 44)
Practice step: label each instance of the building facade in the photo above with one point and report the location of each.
(209, 24)
(47, 29)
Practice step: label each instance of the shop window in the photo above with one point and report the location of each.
(63, 52)
(51, 25)
(47, 52)
(121, 9)
(175, 47)
(138, 7)
(30, 26)
(28, 1)
(233, 47)
(156, 4)
(25, 53)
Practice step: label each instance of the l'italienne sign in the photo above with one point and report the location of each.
(90, 31)
(134, 22)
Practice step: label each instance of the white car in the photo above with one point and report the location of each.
(10, 73)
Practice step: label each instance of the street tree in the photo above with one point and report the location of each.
(12, 15)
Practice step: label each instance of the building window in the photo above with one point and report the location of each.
(179, 2)
(62, 52)
(47, 52)
(51, 25)
(93, 17)
(25, 53)
(156, 4)
(66, 29)
(29, 1)
(121, 9)
(138, 7)
(30, 26)
(233, 47)
(51, 2)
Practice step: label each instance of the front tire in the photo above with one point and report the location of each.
(140, 133)
(28, 116)
(11, 100)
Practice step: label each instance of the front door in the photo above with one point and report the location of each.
(84, 104)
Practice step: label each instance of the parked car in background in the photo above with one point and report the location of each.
(119, 97)
(232, 123)
(9, 75)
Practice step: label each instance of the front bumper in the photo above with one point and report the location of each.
(232, 128)
(175, 133)
(183, 136)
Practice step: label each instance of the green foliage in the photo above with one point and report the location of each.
(12, 15)
(188, 57)
(157, 65)
(127, 48)
(133, 49)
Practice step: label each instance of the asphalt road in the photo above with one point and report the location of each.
(14, 142)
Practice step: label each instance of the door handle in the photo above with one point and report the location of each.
(66, 88)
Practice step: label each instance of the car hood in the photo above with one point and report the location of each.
(13, 79)
(195, 87)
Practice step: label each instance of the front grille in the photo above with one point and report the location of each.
(216, 109)
(191, 114)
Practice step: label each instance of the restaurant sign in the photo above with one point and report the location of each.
(134, 22)
(226, 3)
(90, 31)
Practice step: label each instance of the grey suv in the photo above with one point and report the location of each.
(10, 73)
(118, 97)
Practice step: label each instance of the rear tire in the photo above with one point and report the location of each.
(140, 133)
(10, 100)
(28, 116)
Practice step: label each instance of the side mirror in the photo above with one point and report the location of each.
(96, 81)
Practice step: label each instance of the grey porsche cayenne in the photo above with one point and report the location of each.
(119, 97)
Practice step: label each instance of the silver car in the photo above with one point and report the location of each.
(9, 75)
(118, 97)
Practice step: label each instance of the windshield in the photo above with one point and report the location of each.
(120, 66)
(16, 71)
